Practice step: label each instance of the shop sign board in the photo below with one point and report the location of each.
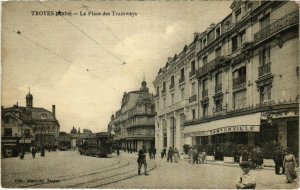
(227, 129)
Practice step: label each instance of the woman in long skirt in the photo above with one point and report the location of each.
(289, 163)
(176, 155)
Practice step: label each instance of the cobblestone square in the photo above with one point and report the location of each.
(68, 169)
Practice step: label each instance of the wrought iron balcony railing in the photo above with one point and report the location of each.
(264, 69)
(280, 24)
(238, 81)
(193, 98)
(204, 93)
(218, 88)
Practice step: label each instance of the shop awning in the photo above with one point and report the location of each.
(244, 123)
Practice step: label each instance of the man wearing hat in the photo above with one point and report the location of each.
(142, 160)
(246, 180)
(278, 159)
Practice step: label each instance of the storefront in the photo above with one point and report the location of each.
(236, 129)
(258, 130)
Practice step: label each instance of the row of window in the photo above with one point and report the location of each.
(237, 40)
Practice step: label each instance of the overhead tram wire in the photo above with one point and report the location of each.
(52, 52)
(88, 36)
(107, 28)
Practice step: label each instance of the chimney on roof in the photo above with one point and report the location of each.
(169, 59)
(53, 110)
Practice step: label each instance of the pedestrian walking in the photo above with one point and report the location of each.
(203, 157)
(247, 179)
(170, 155)
(33, 151)
(176, 155)
(118, 151)
(195, 155)
(191, 153)
(290, 164)
(162, 153)
(165, 151)
(154, 152)
(22, 153)
(150, 152)
(42, 151)
(142, 160)
(278, 159)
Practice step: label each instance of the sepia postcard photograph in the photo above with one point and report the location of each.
(150, 94)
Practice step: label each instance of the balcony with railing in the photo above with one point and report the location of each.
(181, 80)
(264, 69)
(193, 98)
(282, 23)
(192, 73)
(207, 67)
(218, 88)
(204, 93)
(141, 122)
(239, 81)
(272, 106)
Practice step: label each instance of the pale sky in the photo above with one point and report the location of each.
(63, 62)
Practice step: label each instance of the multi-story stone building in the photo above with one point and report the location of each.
(176, 94)
(133, 124)
(27, 125)
(247, 80)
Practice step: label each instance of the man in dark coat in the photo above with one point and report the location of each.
(170, 155)
(278, 159)
(153, 153)
(142, 160)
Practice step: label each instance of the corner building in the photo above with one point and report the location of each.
(247, 80)
(133, 124)
(23, 126)
(176, 96)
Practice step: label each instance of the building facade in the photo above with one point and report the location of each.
(247, 80)
(176, 95)
(133, 124)
(23, 126)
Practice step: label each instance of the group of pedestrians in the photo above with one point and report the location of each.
(196, 156)
(285, 161)
(33, 149)
(152, 152)
(173, 154)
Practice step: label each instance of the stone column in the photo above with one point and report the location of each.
(251, 141)
(282, 133)
(209, 139)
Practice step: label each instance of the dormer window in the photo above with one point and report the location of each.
(238, 15)
(234, 44)
(218, 32)
(204, 42)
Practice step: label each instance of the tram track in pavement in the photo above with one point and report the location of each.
(98, 182)
(74, 176)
